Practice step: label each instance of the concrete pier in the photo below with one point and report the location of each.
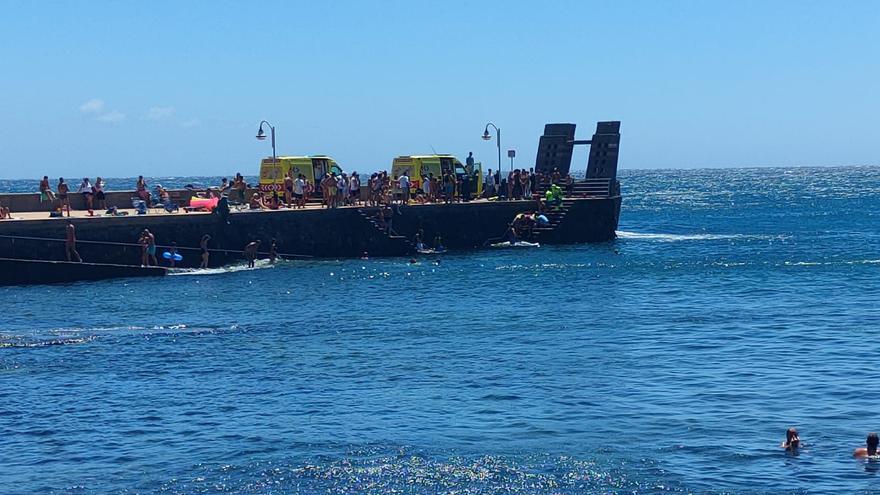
(27, 272)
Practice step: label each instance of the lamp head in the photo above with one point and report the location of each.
(486, 135)
(260, 134)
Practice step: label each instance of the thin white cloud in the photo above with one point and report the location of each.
(113, 116)
(159, 113)
(191, 123)
(94, 105)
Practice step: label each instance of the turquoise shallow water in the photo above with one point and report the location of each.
(734, 304)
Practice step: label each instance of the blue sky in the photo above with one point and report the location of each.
(162, 88)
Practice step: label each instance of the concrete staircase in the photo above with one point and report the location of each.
(399, 240)
(584, 188)
(556, 217)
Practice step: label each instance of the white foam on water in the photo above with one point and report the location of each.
(259, 265)
(650, 236)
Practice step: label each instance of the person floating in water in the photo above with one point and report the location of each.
(792, 440)
(871, 446)
(250, 253)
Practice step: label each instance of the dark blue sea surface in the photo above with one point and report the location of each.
(735, 304)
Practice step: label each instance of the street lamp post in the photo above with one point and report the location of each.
(261, 136)
(488, 137)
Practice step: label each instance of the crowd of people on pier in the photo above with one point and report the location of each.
(92, 194)
(381, 188)
(332, 190)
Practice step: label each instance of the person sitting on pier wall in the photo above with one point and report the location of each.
(141, 190)
(5, 214)
(46, 193)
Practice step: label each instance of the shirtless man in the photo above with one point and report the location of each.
(871, 450)
(250, 252)
(63, 190)
(148, 248)
(273, 252)
(46, 193)
(288, 189)
(203, 244)
(70, 243)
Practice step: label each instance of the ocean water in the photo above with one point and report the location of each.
(734, 304)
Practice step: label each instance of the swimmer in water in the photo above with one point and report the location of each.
(365, 256)
(871, 442)
(792, 440)
(413, 261)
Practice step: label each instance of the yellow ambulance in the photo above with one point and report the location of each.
(419, 166)
(272, 174)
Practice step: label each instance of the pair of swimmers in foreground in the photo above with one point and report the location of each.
(793, 442)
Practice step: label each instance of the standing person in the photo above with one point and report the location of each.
(426, 187)
(46, 193)
(100, 197)
(203, 244)
(288, 188)
(250, 253)
(241, 186)
(524, 183)
(490, 184)
(510, 186)
(533, 181)
(173, 252)
(344, 186)
(142, 192)
(403, 182)
(469, 162)
(466, 187)
(448, 188)
(273, 252)
(148, 248)
(62, 196)
(70, 243)
(299, 186)
(354, 185)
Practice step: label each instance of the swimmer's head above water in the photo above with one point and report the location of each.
(792, 440)
(870, 448)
